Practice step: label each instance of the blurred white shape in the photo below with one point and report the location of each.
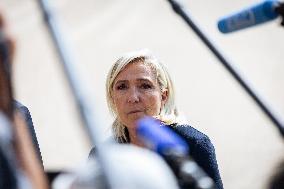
(130, 166)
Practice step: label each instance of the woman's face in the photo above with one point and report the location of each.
(136, 93)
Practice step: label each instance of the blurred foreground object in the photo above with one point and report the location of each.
(277, 179)
(23, 168)
(132, 167)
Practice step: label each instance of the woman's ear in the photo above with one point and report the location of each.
(164, 96)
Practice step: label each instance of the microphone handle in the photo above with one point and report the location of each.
(188, 173)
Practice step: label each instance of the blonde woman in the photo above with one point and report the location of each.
(139, 85)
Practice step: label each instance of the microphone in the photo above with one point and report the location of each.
(175, 152)
(158, 139)
(251, 16)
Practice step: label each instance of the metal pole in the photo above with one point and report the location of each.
(183, 12)
(84, 103)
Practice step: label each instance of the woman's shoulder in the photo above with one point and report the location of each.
(197, 140)
(189, 132)
(201, 149)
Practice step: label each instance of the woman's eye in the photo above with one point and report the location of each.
(121, 87)
(146, 86)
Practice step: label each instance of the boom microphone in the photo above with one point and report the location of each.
(251, 16)
(174, 150)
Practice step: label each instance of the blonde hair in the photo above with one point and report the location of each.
(168, 113)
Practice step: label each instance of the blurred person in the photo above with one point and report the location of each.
(20, 164)
(7, 52)
(139, 85)
(277, 179)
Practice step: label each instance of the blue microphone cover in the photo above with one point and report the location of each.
(254, 15)
(159, 137)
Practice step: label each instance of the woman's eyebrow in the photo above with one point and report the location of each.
(144, 79)
(148, 80)
(120, 81)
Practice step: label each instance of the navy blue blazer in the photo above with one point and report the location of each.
(201, 150)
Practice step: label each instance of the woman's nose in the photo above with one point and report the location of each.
(133, 96)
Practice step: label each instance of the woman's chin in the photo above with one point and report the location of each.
(136, 116)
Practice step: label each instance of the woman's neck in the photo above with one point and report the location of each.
(133, 137)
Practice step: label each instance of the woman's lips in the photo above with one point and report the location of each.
(134, 111)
